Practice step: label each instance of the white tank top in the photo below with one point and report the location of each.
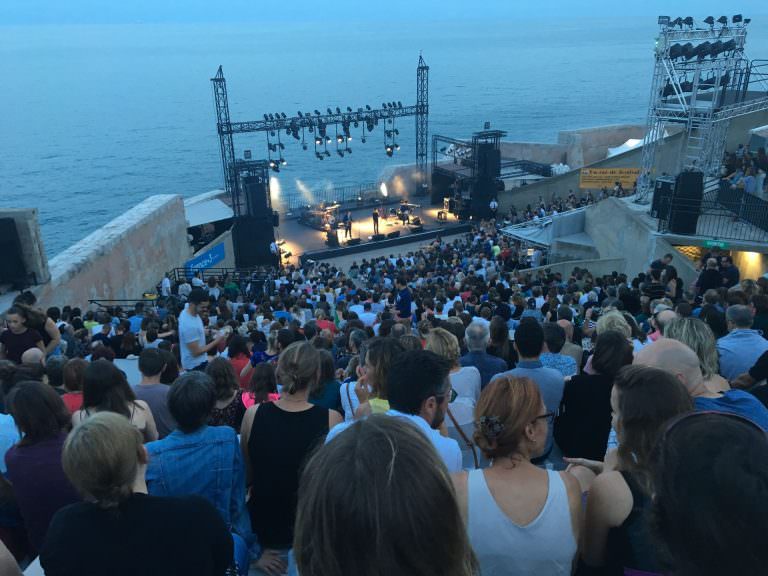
(545, 546)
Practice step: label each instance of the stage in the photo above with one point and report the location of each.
(298, 239)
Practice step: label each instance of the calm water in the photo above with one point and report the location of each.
(96, 118)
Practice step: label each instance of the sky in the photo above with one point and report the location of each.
(31, 12)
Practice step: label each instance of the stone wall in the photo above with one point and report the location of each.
(588, 145)
(122, 259)
(32, 249)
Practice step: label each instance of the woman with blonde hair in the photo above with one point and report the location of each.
(361, 511)
(105, 460)
(465, 382)
(698, 336)
(521, 519)
(276, 437)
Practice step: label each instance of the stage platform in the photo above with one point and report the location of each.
(303, 242)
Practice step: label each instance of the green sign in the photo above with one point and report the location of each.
(715, 244)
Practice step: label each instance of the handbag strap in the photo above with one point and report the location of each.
(467, 441)
(349, 398)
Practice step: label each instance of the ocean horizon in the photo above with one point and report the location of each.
(98, 117)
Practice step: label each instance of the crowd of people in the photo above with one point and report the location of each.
(441, 412)
(745, 170)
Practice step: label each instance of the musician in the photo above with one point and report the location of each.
(404, 216)
(375, 216)
(348, 225)
(274, 248)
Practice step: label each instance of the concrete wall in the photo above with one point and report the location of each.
(122, 259)
(619, 233)
(751, 264)
(32, 250)
(738, 131)
(588, 145)
(535, 152)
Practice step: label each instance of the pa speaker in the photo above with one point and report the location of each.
(275, 219)
(488, 161)
(686, 203)
(12, 269)
(417, 229)
(378, 237)
(353, 241)
(442, 186)
(662, 198)
(252, 238)
(255, 190)
(395, 234)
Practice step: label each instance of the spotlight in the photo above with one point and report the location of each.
(317, 112)
(362, 139)
(399, 104)
(327, 139)
(339, 138)
(282, 146)
(688, 21)
(367, 107)
(389, 150)
(675, 51)
(737, 18)
(348, 150)
(300, 114)
(328, 154)
(716, 48)
(283, 115)
(383, 104)
(729, 46)
(304, 146)
(271, 117)
(349, 109)
(349, 138)
(397, 132)
(338, 110)
(329, 111)
(319, 156)
(340, 153)
(723, 20)
(676, 22)
(688, 51)
(266, 118)
(397, 146)
(703, 50)
(318, 140)
(747, 21)
(283, 161)
(356, 124)
(271, 132)
(709, 20)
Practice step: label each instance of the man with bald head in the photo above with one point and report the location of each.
(677, 358)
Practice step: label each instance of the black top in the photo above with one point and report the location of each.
(279, 443)
(584, 422)
(709, 279)
(631, 545)
(144, 536)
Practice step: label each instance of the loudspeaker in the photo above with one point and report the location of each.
(442, 186)
(417, 229)
(395, 234)
(488, 161)
(378, 237)
(686, 203)
(482, 194)
(662, 197)
(255, 192)
(251, 238)
(353, 241)
(12, 270)
(275, 219)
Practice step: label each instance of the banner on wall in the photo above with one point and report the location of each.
(207, 259)
(596, 178)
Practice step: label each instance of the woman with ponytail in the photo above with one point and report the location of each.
(276, 438)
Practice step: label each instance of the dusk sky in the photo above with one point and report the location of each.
(99, 11)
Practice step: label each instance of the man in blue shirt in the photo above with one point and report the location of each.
(554, 340)
(676, 358)
(136, 319)
(419, 390)
(477, 337)
(403, 300)
(741, 348)
(529, 343)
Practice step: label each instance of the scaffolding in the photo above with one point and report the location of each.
(700, 81)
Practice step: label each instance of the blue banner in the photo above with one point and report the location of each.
(207, 259)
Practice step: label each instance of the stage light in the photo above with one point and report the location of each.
(399, 104)
(327, 139)
(338, 110)
(688, 21)
(282, 146)
(348, 150)
(283, 161)
(339, 138)
(688, 51)
(703, 50)
(349, 138)
(319, 156)
(317, 112)
(349, 109)
(356, 124)
(318, 140)
(716, 48)
(676, 22)
(729, 46)
(300, 114)
(328, 154)
(664, 20)
(397, 146)
(304, 146)
(747, 21)
(266, 118)
(247, 154)
(329, 111)
(383, 104)
(283, 115)
(737, 18)
(271, 117)
(675, 51)
(723, 20)
(367, 107)
(340, 153)
(397, 132)
(389, 150)
(362, 139)
(383, 189)
(709, 20)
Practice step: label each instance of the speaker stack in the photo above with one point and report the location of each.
(686, 203)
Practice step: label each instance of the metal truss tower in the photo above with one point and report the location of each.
(700, 82)
(422, 123)
(224, 129)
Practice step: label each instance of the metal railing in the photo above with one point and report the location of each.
(357, 195)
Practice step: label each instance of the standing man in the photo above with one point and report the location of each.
(193, 349)
(494, 207)
(729, 272)
(275, 250)
(165, 286)
(403, 301)
(348, 225)
(375, 217)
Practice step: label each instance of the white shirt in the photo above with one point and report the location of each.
(165, 286)
(191, 330)
(367, 318)
(197, 282)
(447, 448)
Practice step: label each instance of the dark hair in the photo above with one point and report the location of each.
(710, 505)
(238, 346)
(612, 352)
(647, 399)
(380, 353)
(38, 411)
(529, 338)
(327, 367)
(368, 495)
(74, 374)
(103, 353)
(151, 362)
(284, 338)
(54, 369)
(191, 400)
(196, 296)
(413, 377)
(105, 388)
(263, 382)
(554, 336)
(224, 379)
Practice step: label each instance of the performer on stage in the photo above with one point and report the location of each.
(348, 225)
(274, 248)
(404, 212)
(375, 217)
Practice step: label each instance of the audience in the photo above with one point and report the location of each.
(119, 529)
(153, 392)
(228, 409)
(740, 349)
(478, 339)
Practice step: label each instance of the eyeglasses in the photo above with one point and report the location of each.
(549, 416)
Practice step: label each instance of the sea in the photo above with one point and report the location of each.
(95, 118)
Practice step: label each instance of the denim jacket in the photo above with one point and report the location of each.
(207, 463)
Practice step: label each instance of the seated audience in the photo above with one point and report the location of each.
(73, 374)
(740, 349)
(552, 357)
(369, 395)
(326, 393)
(521, 519)
(478, 338)
(151, 391)
(262, 386)
(360, 511)
(698, 336)
(105, 460)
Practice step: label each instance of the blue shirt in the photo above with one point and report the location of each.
(550, 382)
(736, 402)
(403, 303)
(487, 364)
(9, 435)
(206, 463)
(560, 362)
(135, 322)
(447, 448)
(739, 351)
